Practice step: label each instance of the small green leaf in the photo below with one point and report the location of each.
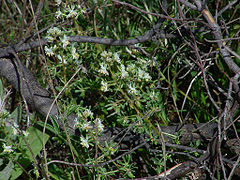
(35, 142)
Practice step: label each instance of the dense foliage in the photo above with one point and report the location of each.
(139, 87)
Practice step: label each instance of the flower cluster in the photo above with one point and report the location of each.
(68, 11)
(55, 50)
(128, 72)
(74, 53)
(64, 41)
(99, 124)
(7, 149)
(132, 89)
(84, 124)
(53, 33)
(104, 86)
(110, 57)
(84, 142)
(103, 69)
(143, 75)
(124, 73)
(49, 51)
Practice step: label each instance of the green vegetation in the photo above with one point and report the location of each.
(141, 87)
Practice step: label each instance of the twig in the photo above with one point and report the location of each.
(222, 40)
(233, 168)
(98, 165)
(232, 52)
(188, 4)
(226, 7)
(146, 12)
(35, 18)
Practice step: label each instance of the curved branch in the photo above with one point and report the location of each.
(127, 42)
(5, 52)
(38, 98)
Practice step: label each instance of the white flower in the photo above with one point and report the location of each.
(87, 113)
(103, 69)
(15, 131)
(48, 51)
(104, 54)
(147, 76)
(116, 58)
(51, 31)
(112, 150)
(49, 38)
(132, 89)
(72, 12)
(108, 59)
(57, 31)
(84, 142)
(81, 9)
(65, 41)
(107, 56)
(137, 45)
(7, 149)
(54, 47)
(58, 2)
(76, 122)
(15, 128)
(99, 124)
(25, 133)
(131, 68)
(62, 60)
(124, 73)
(86, 126)
(58, 14)
(143, 75)
(73, 50)
(74, 54)
(104, 87)
(152, 95)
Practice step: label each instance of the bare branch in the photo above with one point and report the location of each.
(226, 8)
(4, 52)
(188, 4)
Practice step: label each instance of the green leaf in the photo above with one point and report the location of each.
(6, 172)
(48, 127)
(35, 142)
(55, 124)
(1, 89)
